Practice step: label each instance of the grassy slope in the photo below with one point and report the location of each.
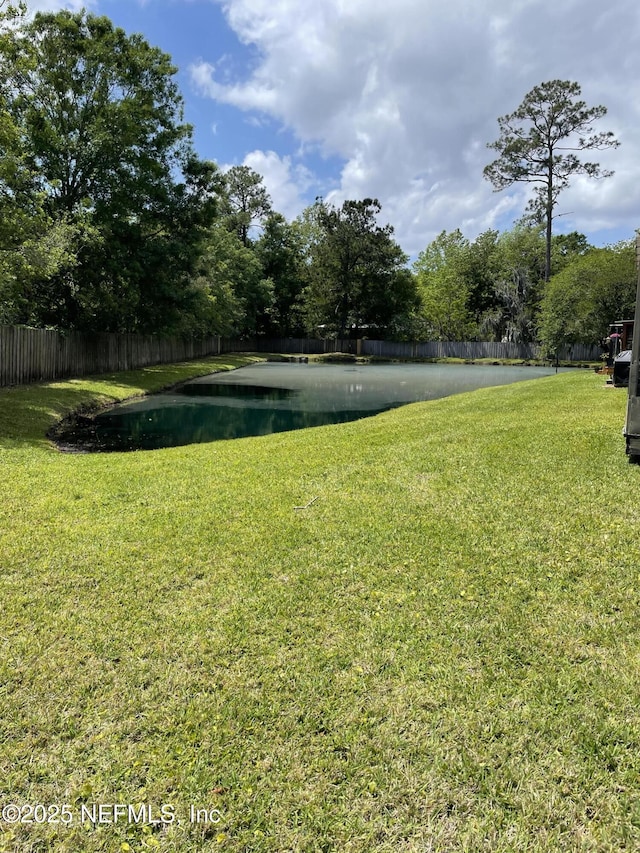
(440, 653)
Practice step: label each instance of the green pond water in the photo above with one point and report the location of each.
(274, 397)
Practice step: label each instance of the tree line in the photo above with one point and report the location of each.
(109, 220)
(493, 288)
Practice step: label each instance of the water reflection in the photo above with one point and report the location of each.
(246, 392)
(267, 398)
(171, 426)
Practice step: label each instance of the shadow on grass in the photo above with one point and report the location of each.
(29, 412)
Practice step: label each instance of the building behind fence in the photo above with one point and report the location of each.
(38, 355)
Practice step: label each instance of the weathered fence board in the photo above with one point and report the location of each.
(36, 355)
(392, 349)
(472, 349)
(302, 346)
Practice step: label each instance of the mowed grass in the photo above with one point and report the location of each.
(440, 653)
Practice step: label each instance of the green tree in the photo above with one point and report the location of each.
(356, 270)
(516, 268)
(516, 285)
(592, 291)
(247, 203)
(32, 246)
(565, 248)
(538, 144)
(280, 250)
(481, 264)
(231, 277)
(442, 272)
(100, 122)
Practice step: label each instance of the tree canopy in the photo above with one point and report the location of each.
(538, 144)
(445, 287)
(247, 202)
(490, 288)
(109, 221)
(105, 154)
(355, 270)
(580, 301)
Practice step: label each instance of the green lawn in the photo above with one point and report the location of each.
(440, 653)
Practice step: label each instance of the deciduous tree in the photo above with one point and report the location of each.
(280, 250)
(443, 283)
(102, 138)
(357, 270)
(32, 245)
(591, 292)
(232, 277)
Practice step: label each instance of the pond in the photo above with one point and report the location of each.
(275, 397)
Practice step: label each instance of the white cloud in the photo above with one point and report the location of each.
(55, 5)
(408, 93)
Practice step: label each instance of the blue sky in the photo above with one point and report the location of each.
(194, 32)
(397, 100)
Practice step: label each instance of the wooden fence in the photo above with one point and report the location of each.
(473, 349)
(302, 346)
(392, 349)
(36, 355)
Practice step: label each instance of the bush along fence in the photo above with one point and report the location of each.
(38, 355)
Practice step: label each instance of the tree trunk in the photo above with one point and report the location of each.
(549, 215)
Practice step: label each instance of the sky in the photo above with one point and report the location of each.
(397, 100)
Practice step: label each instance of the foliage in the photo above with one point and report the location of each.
(516, 285)
(594, 290)
(32, 246)
(431, 656)
(565, 248)
(109, 221)
(533, 145)
(356, 271)
(441, 271)
(246, 201)
(99, 120)
(481, 267)
(232, 277)
(490, 287)
(280, 250)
